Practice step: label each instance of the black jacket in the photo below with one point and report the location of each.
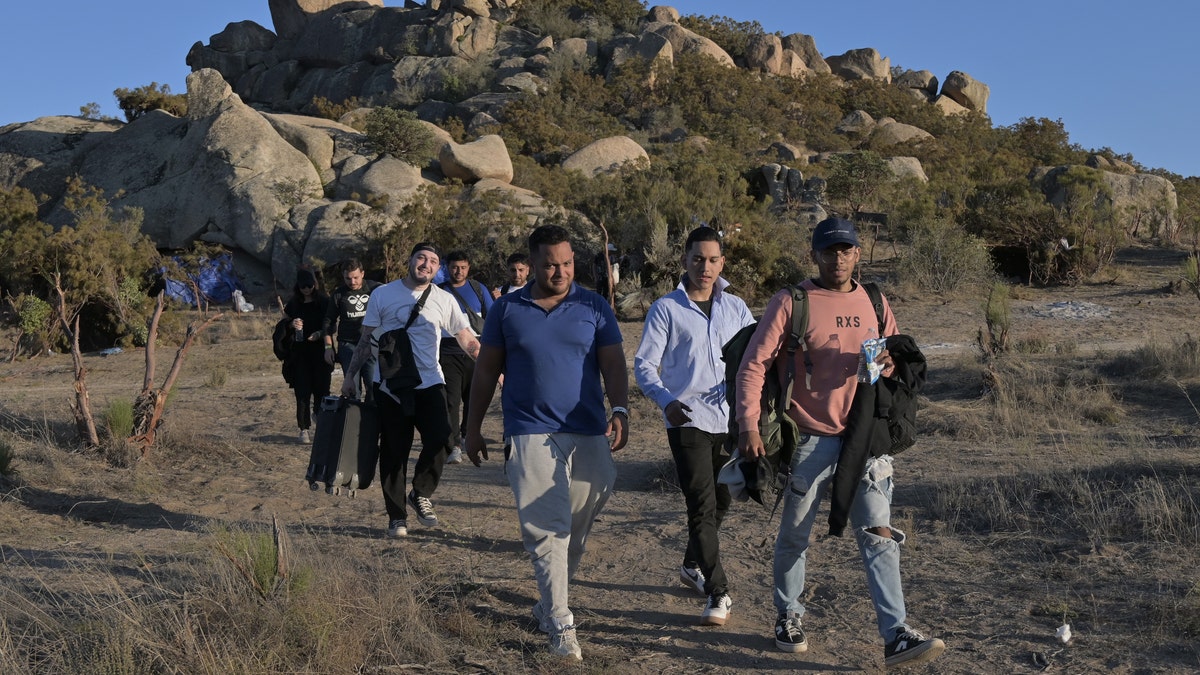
(879, 414)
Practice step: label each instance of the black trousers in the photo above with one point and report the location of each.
(310, 381)
(423, 410)
(458, 370)
(699, 457)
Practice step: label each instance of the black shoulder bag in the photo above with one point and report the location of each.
(397, 366)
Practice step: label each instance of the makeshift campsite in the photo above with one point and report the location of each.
(216, 281)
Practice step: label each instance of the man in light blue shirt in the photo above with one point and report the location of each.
(679, 366)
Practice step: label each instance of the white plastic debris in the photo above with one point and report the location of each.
(1064, 633)
(239, 302)
(111, 351)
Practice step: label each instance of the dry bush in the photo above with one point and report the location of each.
(1179, 359)
(1034, 395)
(232, 610)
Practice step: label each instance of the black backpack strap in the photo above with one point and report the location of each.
(416, 310)
(478, 288)
(462, 302)
(876, 296)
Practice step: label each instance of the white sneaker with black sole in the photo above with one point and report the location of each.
(424, 510)
(693, 578)
(717, 610)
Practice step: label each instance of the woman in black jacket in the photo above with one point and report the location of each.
(310, 373)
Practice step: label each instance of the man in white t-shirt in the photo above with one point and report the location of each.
(422, 407)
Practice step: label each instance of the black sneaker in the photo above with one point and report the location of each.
(789, 636)
(909, 647)
(424, 509)
(397, 528)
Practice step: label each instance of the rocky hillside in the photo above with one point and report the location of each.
(253, 166)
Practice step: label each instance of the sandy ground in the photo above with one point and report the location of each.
(633, 614)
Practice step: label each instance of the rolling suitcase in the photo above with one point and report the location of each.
(345, 448)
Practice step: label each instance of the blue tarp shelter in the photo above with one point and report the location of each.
(216, 282)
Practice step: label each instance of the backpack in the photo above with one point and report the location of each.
(281, 339)
(779, 432)
(476, 320)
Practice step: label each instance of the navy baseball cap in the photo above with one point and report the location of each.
(834, 231)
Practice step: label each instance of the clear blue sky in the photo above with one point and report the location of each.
(1121, 75)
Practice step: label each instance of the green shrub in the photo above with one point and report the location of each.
(997, 314)
(941, 257)
(137, 102)
(7, 459)
(400, 134)
(217, 378)
(118, 418)
(323, 107)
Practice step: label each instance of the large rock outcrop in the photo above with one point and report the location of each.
(1138, 200)
(606, 155)
(861, 64)
(966, 91)
(219, 175)
(290, 16)
(486, 157)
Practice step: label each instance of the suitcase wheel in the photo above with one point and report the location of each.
(314, 486)
(351, 493)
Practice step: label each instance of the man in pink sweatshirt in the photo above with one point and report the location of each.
(841, 317)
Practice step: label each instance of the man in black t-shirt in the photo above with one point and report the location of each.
(344, 320)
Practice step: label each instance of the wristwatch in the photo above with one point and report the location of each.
(620, 410)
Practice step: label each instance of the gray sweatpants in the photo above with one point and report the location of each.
(560, 482)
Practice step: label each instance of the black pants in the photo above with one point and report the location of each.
(458, 370)
(310, 380)
(699, 457)
(425, 411)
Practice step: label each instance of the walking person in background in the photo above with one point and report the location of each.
(554, 343)
(841, 316)
(474, 300)
(420, 407)
(678, 365)
(518, 275)
(343, 324)
(311, 374)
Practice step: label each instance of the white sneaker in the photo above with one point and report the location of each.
(397, 528)
(564, 642)
(693, 578)
(717, 610)
(305, 439)
(455, 456)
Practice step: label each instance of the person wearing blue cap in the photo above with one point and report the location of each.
(842, 315)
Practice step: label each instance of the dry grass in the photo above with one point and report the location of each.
(224, 610)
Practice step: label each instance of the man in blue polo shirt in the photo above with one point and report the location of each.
(679, 366)
(554, 342)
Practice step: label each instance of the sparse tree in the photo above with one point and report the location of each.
(137, 102)
(855, 178)
(78, 265)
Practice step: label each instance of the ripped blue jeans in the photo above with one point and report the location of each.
(812, 470)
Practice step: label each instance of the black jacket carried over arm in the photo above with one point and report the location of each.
(867, 431)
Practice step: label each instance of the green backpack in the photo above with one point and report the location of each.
(779, 432)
